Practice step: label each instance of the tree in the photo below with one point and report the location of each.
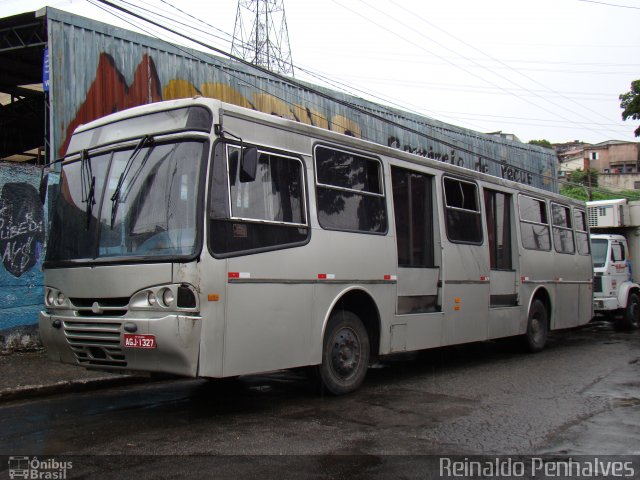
(630, 104)
(588, 178)
(541, 143)
(581, 184)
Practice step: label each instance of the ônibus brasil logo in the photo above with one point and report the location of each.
(36, 469)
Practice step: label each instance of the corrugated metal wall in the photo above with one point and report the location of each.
(97, 69)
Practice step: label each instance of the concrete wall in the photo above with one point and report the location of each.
(22, 235)
(618, 181)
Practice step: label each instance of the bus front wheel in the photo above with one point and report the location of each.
(537, 327)
(345, 353)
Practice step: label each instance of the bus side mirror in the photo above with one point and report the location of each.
(249, 164)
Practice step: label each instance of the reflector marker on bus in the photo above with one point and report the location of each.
(391, 277)
(239, 275)
(213, 297)
(484, 279)
(524, 279)
(326, 276)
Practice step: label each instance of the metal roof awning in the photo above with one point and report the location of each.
(23, 39)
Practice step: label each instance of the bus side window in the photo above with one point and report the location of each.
(261, 210)
(582, 236)
(350, 191)
(462, 211)
(562, 229)
(534, 224)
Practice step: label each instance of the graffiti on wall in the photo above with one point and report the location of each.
(110, 92)
(21, 227)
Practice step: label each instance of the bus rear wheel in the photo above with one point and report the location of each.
(345, 354)
(537, 327)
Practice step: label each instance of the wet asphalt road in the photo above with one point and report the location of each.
(581, 395)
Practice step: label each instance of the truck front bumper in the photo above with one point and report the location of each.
(605, 304)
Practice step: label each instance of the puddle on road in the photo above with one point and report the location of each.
(614, 431)
(386, 409)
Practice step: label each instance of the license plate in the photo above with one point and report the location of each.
(139, 341)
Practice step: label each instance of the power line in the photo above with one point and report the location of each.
(332, 98)
(610, 4)
(351, 88)
(483, 53)
(341, 85)
(312, 90)
(355, 107)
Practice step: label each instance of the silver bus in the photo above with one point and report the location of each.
(203, 239)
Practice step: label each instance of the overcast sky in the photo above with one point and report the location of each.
(544, 69)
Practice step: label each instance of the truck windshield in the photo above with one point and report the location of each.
(599, 248)
(139, 202)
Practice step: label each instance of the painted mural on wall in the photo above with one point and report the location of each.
(22, 237)
(139, 75)
(109, 92)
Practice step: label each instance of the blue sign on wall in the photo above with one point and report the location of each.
(45, 70)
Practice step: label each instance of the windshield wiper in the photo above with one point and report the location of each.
(87, 185)
(115, 198)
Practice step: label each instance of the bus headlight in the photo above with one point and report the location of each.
(174, 297)
(152, 299)
(54, 298)
(48, 300)
(60, 299)
(168, 297)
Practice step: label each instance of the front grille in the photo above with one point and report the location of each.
(95, 343)
(597, 284)
(100, 307)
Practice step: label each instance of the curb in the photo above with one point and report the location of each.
(68, 386)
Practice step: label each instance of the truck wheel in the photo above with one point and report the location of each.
(630, 318)
(537, 327)
(345, 354)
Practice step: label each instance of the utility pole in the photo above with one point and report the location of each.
(260, 35)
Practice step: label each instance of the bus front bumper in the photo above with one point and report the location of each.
(169, 344)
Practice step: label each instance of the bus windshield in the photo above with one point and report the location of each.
(599, 248)
(130, 203)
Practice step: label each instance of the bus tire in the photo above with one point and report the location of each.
(537, 327)
(630, 318)
(345, 354)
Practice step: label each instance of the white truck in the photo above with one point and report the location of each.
(615, 235)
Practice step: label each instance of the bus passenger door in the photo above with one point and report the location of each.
(418, 290)
(465, 263)
(503, 280)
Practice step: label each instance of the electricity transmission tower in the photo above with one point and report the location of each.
(260, 35)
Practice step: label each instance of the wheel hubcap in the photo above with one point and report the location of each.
(345, 353)
(536, 328)
(635, 312)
